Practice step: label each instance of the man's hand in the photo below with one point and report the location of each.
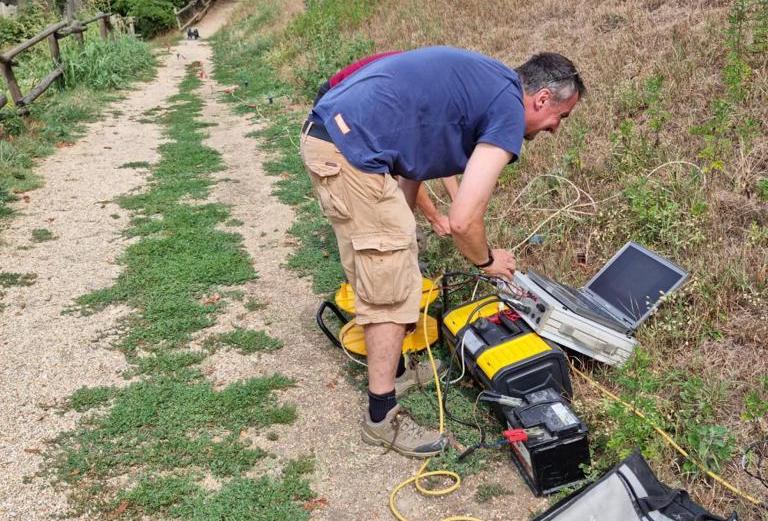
(441, 225)
(503, 265)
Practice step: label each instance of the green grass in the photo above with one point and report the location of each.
(181, 254)
(147, 448)
(249, 341)
(135, 164)
(166, 425)
(42, 235)
(488, 491)
(8, 279)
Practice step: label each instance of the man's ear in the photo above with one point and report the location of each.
(541, 98)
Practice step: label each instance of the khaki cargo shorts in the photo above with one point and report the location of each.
(375, 230)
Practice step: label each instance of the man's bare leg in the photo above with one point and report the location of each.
(384, 343)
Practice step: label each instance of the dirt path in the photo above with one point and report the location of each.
(47, 355)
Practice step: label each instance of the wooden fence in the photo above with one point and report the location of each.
(192, 13)
(53, 34)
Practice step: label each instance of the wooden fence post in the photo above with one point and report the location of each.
(78, 32)
(10, 80)
(53, 43)
(103, 30)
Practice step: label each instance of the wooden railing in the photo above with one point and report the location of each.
(53, 33)
(192, 13)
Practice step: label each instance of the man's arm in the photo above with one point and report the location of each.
(451, 185)
(468, 210)
(410, 188)
(439, 222)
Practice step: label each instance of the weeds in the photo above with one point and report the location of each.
(487, 492)
(253, 304)
(248, 341)
(8, 279)
(136, 164)
(42, 235)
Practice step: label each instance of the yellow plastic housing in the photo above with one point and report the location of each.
(511, 352)
(353, 339)
(345, 295)
(459, 317)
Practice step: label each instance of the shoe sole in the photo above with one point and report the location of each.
(370, 440)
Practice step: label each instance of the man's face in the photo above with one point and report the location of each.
(543, 112)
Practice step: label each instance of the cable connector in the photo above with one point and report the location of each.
(515, 435)
(501, 399)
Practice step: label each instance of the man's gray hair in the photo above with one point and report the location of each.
(554, 72)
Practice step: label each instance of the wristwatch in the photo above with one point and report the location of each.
(486, 263)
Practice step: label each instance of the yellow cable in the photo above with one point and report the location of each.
(667, 438)
(421, 474)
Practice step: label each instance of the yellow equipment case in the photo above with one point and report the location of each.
(502, 352)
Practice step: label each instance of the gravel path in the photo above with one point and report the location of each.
(47, 355)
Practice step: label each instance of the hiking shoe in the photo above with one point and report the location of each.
(417, 374)
(400, 433)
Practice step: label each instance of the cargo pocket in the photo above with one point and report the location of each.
(383, 267)
(327, 183)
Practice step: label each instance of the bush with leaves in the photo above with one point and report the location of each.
(30, 20)
(151, 16)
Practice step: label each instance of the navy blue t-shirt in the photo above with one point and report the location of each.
(420, 113)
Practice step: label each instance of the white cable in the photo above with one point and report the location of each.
(349, 355)
(461, 346)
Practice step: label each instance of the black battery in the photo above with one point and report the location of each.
(557, 448)
(502, 353)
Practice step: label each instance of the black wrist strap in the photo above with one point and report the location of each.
(487, 263)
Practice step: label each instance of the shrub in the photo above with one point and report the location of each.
(152, 16)
(30, 20)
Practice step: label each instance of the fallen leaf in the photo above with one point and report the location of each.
(32, 450)
(331, 384)
(122, 507)
(212, 299)
(318, 502)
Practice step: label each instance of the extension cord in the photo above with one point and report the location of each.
(421, 474)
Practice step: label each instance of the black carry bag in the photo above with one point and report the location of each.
(629, 492)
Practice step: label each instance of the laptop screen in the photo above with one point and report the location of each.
(634, 281)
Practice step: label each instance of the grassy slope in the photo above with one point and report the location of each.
(670, 145)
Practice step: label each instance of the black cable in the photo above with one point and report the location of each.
(460, 347)
(752, 448)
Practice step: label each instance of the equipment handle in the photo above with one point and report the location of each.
(321, 323)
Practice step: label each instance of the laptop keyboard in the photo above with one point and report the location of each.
(567, 293)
